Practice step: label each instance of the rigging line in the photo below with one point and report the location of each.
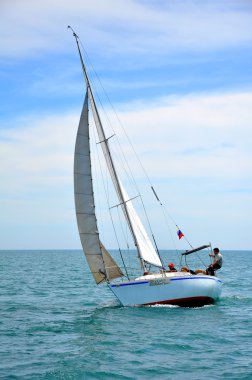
(171, 234)
(94, 87)
(111, 218)
(163, 206)
(125, 233)
(118, 153)
(107, 193)
(119, 248)
(110, 163)
(110, 160)
(125, 133)
(121, 226)
(117, 117)
(131, 177)
(108, 120)
(187, 240)
(116, 150)
(119, 124)
(145, 212)
(123, 203)
(164, 211)
(102, 172)
(199, 257)
(96, 174)
(107, 199)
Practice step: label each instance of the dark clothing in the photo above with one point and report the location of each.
(211, 269)
(192, 271)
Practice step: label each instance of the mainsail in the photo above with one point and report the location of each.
(112, 269)
(99, 260)
(143, 244)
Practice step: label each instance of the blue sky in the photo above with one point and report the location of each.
(179, 75)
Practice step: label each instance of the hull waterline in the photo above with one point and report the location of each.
(174, 289)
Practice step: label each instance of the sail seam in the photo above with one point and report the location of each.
(83, 193)
(84, 213)
(81, 154)
(89, 233)
(82, 134)
(86, 175)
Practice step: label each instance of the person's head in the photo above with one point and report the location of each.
(216, 250)
(171, 265)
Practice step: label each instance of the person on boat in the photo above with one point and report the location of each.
(172, 267)
(217, 262)
(186, 269)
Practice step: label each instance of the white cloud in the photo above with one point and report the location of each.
(202, 135)
(39, 149)
(196, 148)
(121, 26)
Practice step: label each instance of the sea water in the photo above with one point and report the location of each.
(55, 323)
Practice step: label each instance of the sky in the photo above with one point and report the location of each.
(179, 75)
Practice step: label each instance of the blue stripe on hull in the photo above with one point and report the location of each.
(170, 279)
(196, 278)
(130, 283)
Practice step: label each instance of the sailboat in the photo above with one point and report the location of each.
(154, 285)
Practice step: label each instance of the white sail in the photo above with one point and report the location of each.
(142, 241)
(146, 249)
(85, 207)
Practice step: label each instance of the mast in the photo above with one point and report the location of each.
(107, 154)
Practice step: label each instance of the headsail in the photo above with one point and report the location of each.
(85, 207)
(146, 249)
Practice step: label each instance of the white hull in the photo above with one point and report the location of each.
(177, 288)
